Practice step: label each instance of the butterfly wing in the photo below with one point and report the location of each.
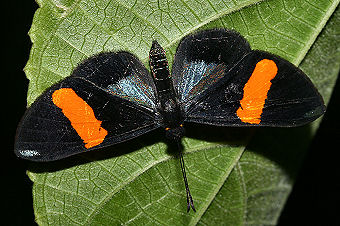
(202, 59)
(260, 90)
(108, 99)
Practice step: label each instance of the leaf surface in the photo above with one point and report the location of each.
(234, 180)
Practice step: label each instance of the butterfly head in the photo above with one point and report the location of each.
(175, 133)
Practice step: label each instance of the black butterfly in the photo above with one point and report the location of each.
(216, 79)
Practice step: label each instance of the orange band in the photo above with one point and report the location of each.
(255, 92)
(81, 116)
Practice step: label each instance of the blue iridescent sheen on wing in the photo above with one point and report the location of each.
(197, 76)
(133, 88)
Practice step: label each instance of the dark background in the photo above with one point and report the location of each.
(315, 197)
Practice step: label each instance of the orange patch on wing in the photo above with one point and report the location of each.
(255, 92)
(81, 116)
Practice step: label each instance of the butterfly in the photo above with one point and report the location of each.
(216, 79)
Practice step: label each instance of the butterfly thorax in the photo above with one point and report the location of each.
(169, 107)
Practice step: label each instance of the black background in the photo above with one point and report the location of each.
(315, 197)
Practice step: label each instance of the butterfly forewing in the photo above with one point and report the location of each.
(261, 90)
(108, 99)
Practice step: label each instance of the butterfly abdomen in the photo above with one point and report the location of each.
(160, 70)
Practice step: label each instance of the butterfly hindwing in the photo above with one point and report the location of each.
(108, 99)
(203, 58)
(121, 74)
(260, 90)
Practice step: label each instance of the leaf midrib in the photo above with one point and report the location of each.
(315, 34)
(155, 163)
(198, 215)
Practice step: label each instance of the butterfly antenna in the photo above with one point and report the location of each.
(190, 202)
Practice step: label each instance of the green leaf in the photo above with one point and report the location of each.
(140, 182)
